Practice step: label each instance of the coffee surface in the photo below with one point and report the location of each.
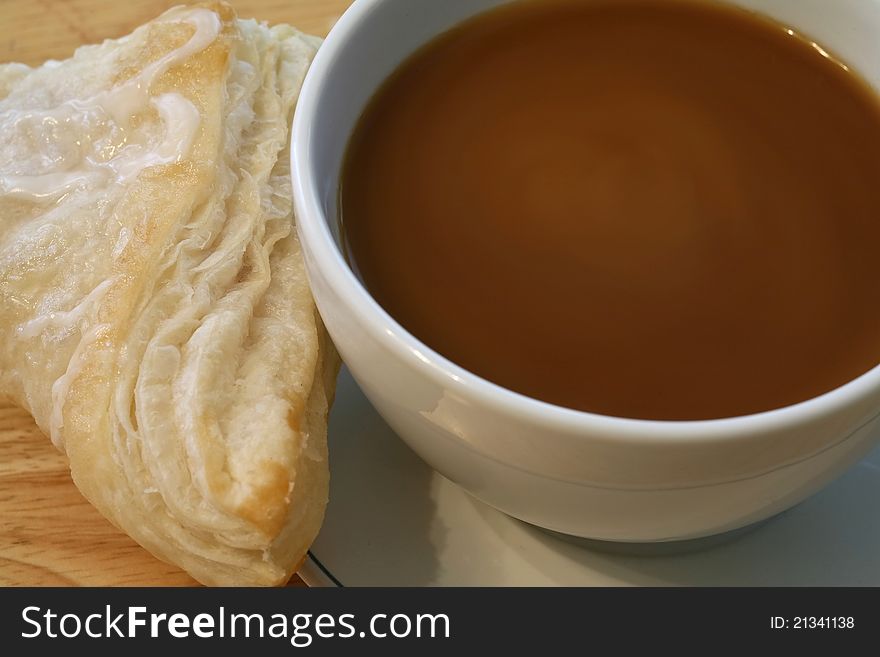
(639, 208)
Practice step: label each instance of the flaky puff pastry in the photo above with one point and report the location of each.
(155, 316)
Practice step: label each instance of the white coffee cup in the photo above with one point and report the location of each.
(572, 472)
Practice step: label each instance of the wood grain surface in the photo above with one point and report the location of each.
(49, 535)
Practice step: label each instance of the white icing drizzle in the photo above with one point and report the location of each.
(89, 142)
(127, 99)
(47, 185)
(181, 119)
(63, 321)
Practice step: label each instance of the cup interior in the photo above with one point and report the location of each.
(375, 36)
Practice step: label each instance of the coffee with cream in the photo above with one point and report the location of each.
(653, 209)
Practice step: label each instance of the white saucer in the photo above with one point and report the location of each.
(392, 521)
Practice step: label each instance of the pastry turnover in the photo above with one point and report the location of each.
(155, 316)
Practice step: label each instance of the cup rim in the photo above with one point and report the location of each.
(314, 230)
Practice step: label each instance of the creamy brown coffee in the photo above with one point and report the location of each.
(642, 208)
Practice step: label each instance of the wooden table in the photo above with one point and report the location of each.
(49, 535)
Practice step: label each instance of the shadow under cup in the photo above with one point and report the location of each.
(574, 473)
